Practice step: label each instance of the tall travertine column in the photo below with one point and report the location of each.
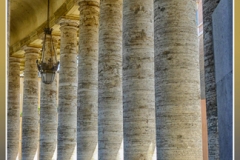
(48, 111)
(138, 80)
(30, 116)
(20, 123)
(67, 106)
(177, 81)
(210, 80)
(13, 108)
(110, 118)
(87, 124)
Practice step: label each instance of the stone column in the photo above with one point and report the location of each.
(30, 116)
(48, 111)
(67, 98)
(87, 124)
(20, 123)
(110, 117)
(138, 80)
(13, 108)
(210, 79)
(177, 81)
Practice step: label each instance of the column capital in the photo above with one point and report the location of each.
(69, 21)
(31, 49)
(14, 60)
(89, 2)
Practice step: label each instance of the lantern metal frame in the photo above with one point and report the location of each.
(48, 69)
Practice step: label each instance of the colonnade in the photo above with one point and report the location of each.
(132, 90)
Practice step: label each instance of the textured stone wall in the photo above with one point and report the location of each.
(222, 40)
(13, 108)
(210, 84)
(30, 116)
(87, 113)
(48, 112)
(138, 80)
(110, 118)
(177, 81)
(68, 78)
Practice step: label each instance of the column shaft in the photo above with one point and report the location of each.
(110, 118)
(210, 79)
(138, 80)
(67, 111)
(177, 81)
(48, 112)
(30, 116)
(87, 123)
(13, 108)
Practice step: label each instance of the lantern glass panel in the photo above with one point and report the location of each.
(48, 77)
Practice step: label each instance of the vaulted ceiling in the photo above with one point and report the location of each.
(28, 19)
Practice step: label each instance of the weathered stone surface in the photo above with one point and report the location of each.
(110, 117)
(13, 108)
(30, 116)
(67, 107)
(48, 112)
(138, 80)
(177, 81)
(87, 113)
(222, 40)
(210, 84)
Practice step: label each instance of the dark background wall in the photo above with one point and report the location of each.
(222, 40)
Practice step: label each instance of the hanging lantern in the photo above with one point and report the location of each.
(49, 65)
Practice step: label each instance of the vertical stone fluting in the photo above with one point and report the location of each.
(30, 116)
(13, 108)
(138, 80)
(177, 81)
(67, 111)
(87, 124)
(210, 83)
(48, 111)
(110, 118)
